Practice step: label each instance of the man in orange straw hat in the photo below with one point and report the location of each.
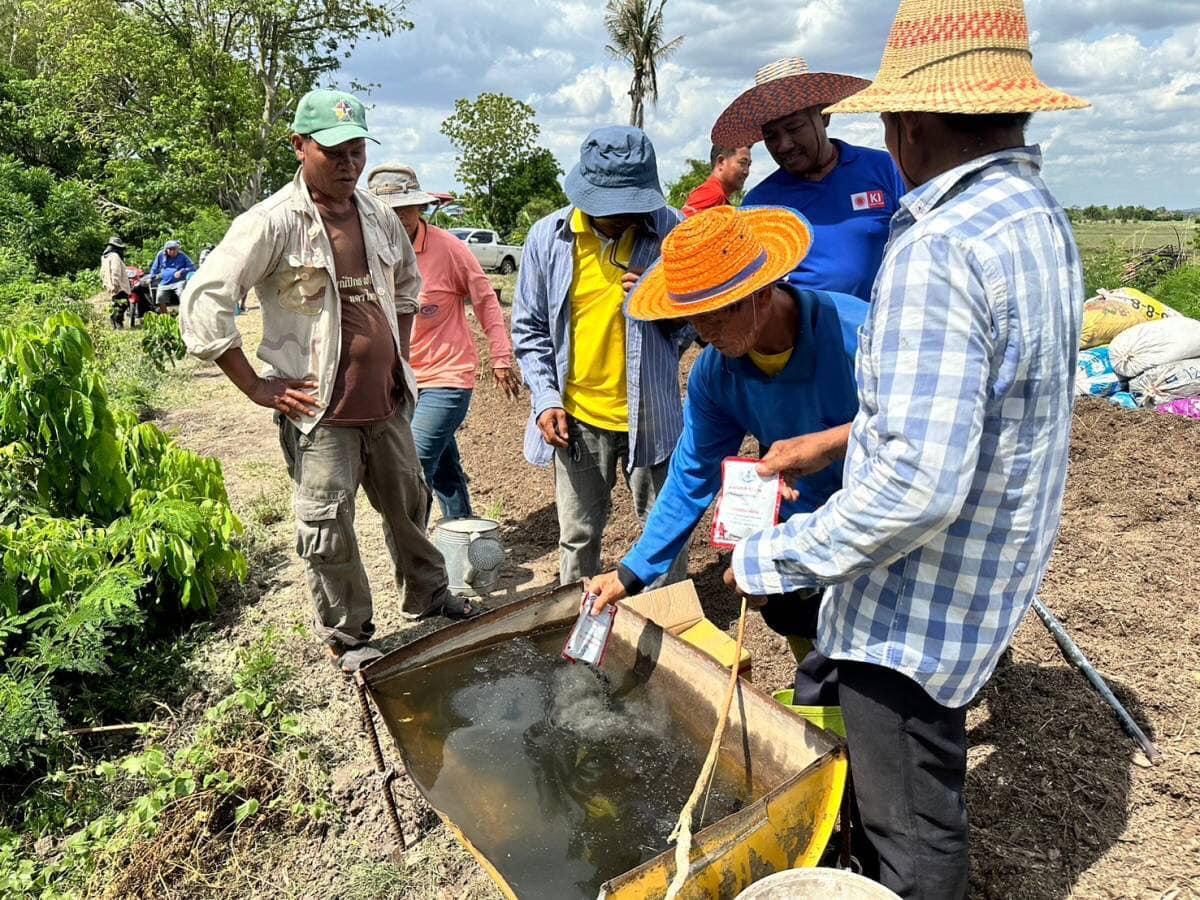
(847, 193)
(780, 363)
(957, 460)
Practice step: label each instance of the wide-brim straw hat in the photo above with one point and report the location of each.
(718, 257)
(780, 89)
(958, 56)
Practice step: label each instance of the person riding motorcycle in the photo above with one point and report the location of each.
(170, 271)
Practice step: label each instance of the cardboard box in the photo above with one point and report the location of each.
(676, 608)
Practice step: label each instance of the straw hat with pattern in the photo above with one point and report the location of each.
(718, 257)
(780, 89)
(958, 56)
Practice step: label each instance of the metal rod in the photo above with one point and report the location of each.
(1076, 656)
(387, 774)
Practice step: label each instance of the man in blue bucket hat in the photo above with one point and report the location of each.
(603, 388)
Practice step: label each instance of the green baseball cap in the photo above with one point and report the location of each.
(331, 118)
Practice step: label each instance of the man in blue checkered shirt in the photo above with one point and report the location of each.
(957, 459)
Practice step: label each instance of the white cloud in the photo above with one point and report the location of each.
(1137, 61)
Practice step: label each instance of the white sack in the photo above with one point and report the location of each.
(1142, 347)
(1173, 381)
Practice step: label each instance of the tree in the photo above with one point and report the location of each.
(636, 30)
(695, 174)
(493, 135)
(533, 179)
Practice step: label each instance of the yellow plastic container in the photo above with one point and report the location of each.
(827, 717)
(708, 638)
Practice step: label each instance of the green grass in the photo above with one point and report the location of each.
(1132, 236)
(1181, 291)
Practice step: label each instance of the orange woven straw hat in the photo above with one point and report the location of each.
(958, 56)
(780, 89)
(717, 257)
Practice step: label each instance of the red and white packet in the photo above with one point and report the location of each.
(588, 640)
(748, 503)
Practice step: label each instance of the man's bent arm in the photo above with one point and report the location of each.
(931, 350)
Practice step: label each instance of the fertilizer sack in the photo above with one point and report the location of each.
(1123, 399)
(1103, 320)
(1188, 407)
(1143, 304)
(1173, 381)
(1156, 343)
(1094, 376)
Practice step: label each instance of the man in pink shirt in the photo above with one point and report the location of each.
(443, 355)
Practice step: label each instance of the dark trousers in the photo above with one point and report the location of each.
(816, 681)
(908, 758)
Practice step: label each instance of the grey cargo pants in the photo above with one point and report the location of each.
(327, 466)
(585, 474)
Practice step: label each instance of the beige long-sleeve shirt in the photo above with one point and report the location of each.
(280, 249)
(113, 274)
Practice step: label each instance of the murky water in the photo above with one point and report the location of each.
(563, 776)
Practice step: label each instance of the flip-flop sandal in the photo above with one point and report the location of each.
(350, 661)
(455, 608)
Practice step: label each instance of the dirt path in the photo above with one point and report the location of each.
(1060, 804)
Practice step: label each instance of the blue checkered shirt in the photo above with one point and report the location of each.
(954, 475)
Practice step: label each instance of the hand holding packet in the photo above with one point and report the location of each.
(748, 503)
(588, 640)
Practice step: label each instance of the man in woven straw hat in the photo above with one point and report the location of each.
(605, 392)
(779, 363)
(443, 355)
(847, 193)
(958, 458)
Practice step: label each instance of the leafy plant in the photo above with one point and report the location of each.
(161, 341)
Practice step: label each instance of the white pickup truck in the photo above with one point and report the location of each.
(486, 246)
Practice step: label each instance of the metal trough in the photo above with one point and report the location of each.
(798, 770)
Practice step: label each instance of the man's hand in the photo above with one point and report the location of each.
(752, 602)
(290, 396)
(607, 588)
(178, 274)
(508, 381)
(553, 423)
(804, 455)
(629, 279)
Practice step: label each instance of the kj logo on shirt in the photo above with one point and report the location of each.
(868, 200)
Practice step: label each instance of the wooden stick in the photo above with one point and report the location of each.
(106, 729)
(682, 834)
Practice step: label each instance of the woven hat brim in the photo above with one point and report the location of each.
(979, 101)
(740, 125)
(786, 237)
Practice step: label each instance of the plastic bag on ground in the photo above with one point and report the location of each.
(1095, 376)
(1172, 381)
(1188, 407)
(1156, 343)
(1123, 399)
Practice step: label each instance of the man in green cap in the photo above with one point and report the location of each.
(338, 284)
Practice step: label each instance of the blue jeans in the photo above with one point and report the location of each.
(439, 413)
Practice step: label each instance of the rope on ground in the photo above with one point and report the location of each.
(682, 833)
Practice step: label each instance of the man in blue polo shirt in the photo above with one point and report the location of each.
(780, 363)
(847, 193)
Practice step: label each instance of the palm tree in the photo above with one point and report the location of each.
(636, 29)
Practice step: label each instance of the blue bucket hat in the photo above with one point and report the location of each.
(617, 174)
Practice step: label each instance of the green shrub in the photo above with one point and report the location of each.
(104, 519)
(1181, 290)
(1102, 269)
(161, 341)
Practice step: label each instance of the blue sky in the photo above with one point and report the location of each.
(1138, 61)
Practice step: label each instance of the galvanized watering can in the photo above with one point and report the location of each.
(473, 552)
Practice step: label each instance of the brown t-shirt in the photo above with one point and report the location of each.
(364, 391)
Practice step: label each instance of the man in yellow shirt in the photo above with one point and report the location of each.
(604, 389)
